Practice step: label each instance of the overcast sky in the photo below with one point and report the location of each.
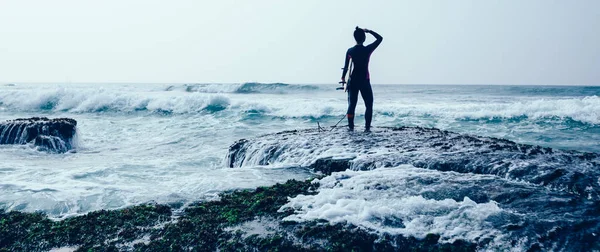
(225, 41)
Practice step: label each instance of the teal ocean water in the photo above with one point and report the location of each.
(167, 143)
(163, 142)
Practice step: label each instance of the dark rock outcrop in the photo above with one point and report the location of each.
(549, 198)
(573, 171)
(54, 135)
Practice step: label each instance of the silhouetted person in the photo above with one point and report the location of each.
(359, 78)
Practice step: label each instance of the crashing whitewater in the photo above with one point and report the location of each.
(197, 165)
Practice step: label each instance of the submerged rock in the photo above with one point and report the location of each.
(55, 135)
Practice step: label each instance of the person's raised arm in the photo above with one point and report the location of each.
(378, 39)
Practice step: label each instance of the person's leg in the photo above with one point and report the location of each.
(367, 94)
(352, 100)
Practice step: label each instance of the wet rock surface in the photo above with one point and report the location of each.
(549, 198)
(430, 148)
(53, 135)
(393, 178)
(207, 226)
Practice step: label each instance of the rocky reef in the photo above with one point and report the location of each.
(430, 148)
(240, 221)
(546, 198)
(53, 135)
(402, 189)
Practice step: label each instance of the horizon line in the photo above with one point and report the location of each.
(292, 83)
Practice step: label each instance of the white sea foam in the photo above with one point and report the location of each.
(141, 142)
(390, 200)
(64, 249)
(583, 109)
(260, 226)
(245, 88)
(85, 99)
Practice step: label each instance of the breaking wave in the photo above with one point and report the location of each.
(245, 88)
(100, 100)
(216, 97)
(581, 109)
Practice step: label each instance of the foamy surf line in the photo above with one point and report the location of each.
(390, 200)
(203, 98)
(246, 88)
(487, 210)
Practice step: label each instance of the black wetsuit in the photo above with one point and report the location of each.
(360, 79)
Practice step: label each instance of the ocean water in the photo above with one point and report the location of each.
(167, 143)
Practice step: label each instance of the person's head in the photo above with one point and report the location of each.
(359, 35)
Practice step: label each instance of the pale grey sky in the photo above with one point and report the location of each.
(226, 41)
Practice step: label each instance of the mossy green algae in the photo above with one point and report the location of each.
(204, 226)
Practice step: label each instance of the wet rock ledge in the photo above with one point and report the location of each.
(53, 135)
(428, 148)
